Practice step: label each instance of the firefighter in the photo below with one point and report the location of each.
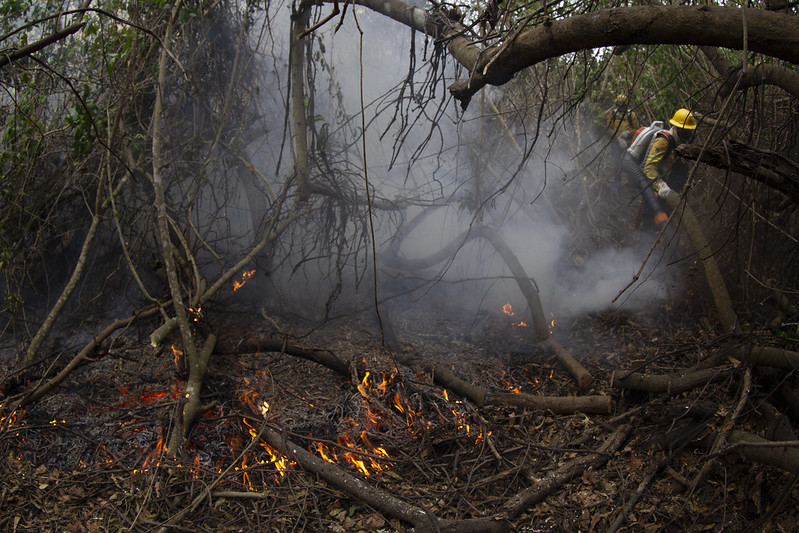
(660, 158)
(621, 122)
(656, 162)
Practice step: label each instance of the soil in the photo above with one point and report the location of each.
(89, 457)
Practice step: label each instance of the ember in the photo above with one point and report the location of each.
(246, 275)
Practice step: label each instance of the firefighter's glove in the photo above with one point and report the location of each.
(662, 188)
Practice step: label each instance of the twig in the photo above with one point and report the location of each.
(722, 436)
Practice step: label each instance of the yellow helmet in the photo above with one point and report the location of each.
(683, 119)
(621, 100)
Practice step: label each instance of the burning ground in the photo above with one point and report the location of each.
(294, 443)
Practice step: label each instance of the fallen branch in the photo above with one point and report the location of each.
(557, 478)
(671, 384)
(715, 281)
(446, 378)
(781, 454)
(572, 366)
(332, 474)
(721, 438)
(768, 356)
(556, 404)
(83, 356)
(322, 357)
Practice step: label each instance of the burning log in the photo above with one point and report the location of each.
(384, 502)
(556, 404)
(577, 371)
(671, 384)
(444, 377)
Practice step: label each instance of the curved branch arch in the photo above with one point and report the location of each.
(769, 33)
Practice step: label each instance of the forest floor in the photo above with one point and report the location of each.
(89, 457)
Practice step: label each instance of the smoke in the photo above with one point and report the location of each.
(427, 150)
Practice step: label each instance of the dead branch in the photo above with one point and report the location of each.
(583, 378)
(557, 478)
(330, 473)
(525, 285)
(83, 356)
(556, 404)
(671, 384)
(322, 357)
(597, 404)
(768, 356)
(715, 281)
(445, 377)
(721, 438)
(772, 169)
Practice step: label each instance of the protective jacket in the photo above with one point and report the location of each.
(660, 156)
(620, 121)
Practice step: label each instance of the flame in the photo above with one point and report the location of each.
(508, 310)
(363, 387)
(326, 453)
(247, 274)
(177, 353)
(508, 386)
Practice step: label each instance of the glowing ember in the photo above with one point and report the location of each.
(149, 397)
(247, 274)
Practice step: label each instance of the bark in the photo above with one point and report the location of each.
(583, 378)
(762, 74)
(755, 448)
(715, 281)
(85, 355)
(554, 480)
(335, 476)
(774, 170)
(556, 404)
(297, 66)
(595, 404)
(671, 384)
(768, 356)
(322, 357)
(42, 43)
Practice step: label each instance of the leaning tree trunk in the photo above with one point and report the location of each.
(197, 360)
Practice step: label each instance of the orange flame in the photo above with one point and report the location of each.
(177, 353)
(247, 274)
(507, 309)
(363, 387)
